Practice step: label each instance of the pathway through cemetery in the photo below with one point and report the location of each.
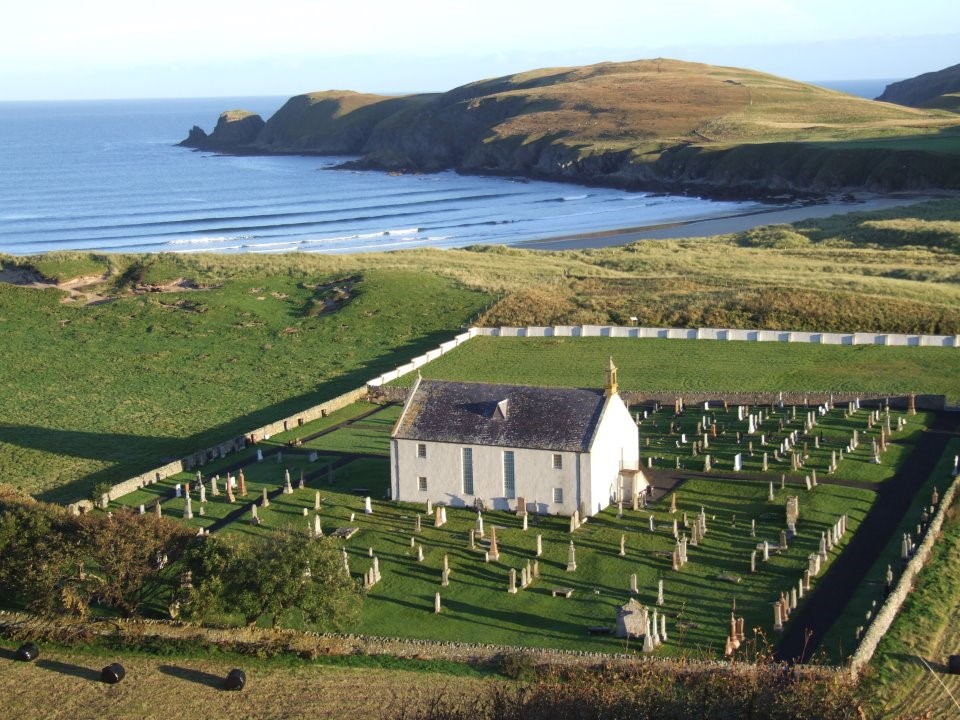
(813, 619)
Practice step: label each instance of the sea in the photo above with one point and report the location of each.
(107, 176)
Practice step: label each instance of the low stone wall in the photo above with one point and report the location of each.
(812, 398)
(737, 334)
(886, 615)
(220, 450)
(19, 625)
(422, 360)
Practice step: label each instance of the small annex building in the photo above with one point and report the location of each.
(561, 450)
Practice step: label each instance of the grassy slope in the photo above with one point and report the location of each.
(104, 391)
(101, 392)
(631, 104)
(478, 608)
(705, 365)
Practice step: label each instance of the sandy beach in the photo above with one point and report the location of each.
(722, 224)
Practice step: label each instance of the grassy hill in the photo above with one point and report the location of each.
(178, 351)
(940, 89)
(655, 124)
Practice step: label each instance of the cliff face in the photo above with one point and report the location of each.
(939, 89)
(235, 129)
(657, 124)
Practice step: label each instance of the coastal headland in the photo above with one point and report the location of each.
(656, 125)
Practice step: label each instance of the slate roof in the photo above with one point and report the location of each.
(542, 418)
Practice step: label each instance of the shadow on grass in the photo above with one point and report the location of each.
(7, 654)
(195, 676)
(63, 668)
(129, 455)
(935, 665)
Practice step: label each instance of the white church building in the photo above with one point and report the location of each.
(560, 450)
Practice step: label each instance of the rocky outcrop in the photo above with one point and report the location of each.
(235, 130)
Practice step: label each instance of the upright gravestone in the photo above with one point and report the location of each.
(494, 551)
(571, 558)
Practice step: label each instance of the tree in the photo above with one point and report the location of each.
(283, 573)
(126, 551)
(40, 553)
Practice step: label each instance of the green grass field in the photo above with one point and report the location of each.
(102, 392)
(477, 606)
(703, 365)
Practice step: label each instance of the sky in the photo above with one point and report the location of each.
(65, 49)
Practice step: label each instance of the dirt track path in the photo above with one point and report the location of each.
(814, 618)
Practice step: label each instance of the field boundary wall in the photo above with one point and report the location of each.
(730, 334)
(891, 607)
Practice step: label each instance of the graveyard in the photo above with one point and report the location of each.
(740, 524)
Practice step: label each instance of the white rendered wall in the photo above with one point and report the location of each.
(443, 467)
(616, 438)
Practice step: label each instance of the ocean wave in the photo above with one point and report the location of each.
(207, 240)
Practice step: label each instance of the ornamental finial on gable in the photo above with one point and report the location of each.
(610, 386)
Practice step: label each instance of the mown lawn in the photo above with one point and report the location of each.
(477, 606)
(656, 364)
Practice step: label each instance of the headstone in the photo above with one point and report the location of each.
(254, 520)
(316, 501)
(287, 487)
(521, 506)
(765, 466)
(436, 603)
(177, 490)
(633, 584)
(525, 526)
(623, 545)
(213, 486)
(188, 509)
(317, 529)
(259, 455)
(494, 550)
(479, 524)
(473, 539)
(419, 553)
(302, 483)
(539, 545)
(203, 493)
(770, 496)
(417, 527)
(571, 558)
(738, 462)
(265, 502)
(753, 561)
(367, 506)
(652, 524)
(243, 483)
(512, 582)
(660, 592)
